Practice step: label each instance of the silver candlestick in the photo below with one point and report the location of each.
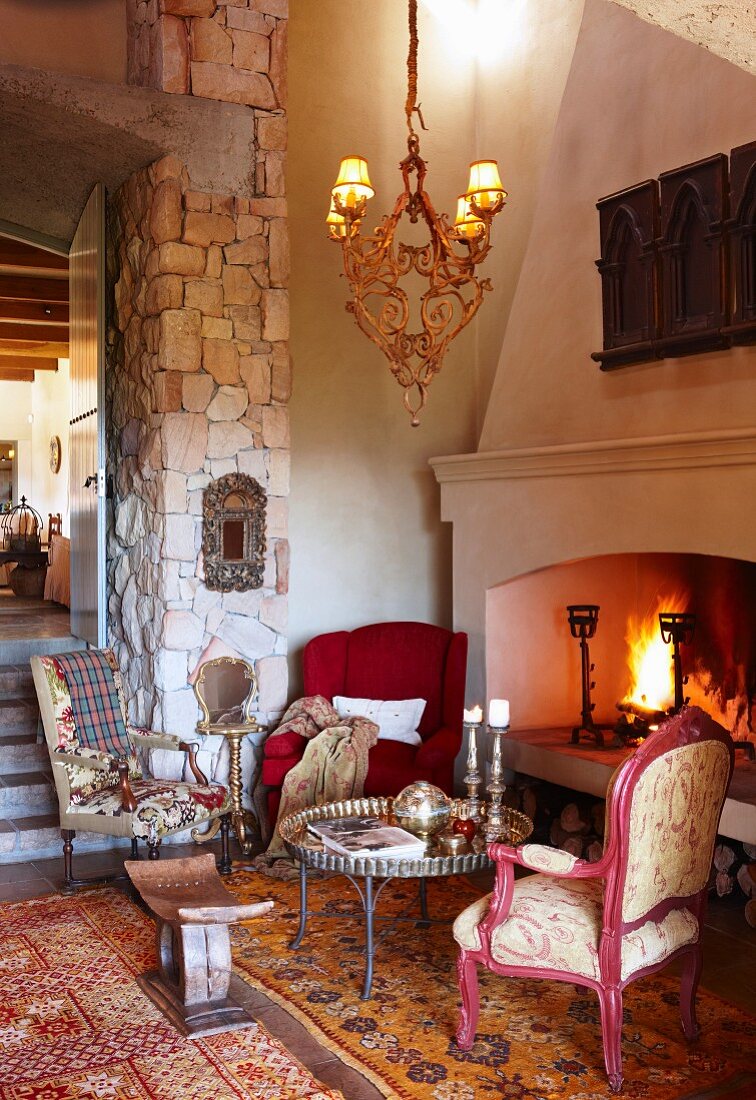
(473, 779)
(496, 788)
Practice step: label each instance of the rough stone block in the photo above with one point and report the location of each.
(278, 517)
(180, 346)
(245, 20)
(274, 613)
(251, 51)
(278, 63)
(184, 441)
(130, 520)
(225, 440)
(196, 392)
(164, 292)
(278, 238)
(248, 636)
(205, 229)
(169, 55)
(239, 288)
(214, 261)
(268, 208)
(255, 370)
(213, 81)
(273, 681)
(170, 670)
(275, 311)
(246, 321)
(248, 225)
(171, 491)
(166, 213)
(197, 200)
(209, 42)
(281, 374)
(206, 295)
(218, 328)
(272, 132)
(182, 259)
(277, 8)
(219, 467)
(178, 544)
(252, 463)
(282, 556)
(167, 168)
(220, 358)
(180, 712)
(275, 426)
(252, 250)
(167, 391)
(275, 182)
(279, 467)
(228, 404)
(198, 8)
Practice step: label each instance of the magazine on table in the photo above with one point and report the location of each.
(367, 836)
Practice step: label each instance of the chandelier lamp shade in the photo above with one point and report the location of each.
(376, 265)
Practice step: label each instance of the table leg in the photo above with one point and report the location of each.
(424, 900)
(369, 906)
(302, 906)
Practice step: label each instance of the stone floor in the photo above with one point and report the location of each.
(26, 618)
(729, 962)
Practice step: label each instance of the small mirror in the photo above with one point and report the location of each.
(233, 533)
(226, 688)
(233, 540)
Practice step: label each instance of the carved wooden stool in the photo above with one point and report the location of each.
(194, 985)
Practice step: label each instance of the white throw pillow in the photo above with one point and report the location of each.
(397, 719)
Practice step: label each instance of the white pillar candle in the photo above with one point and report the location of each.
(473, 717)
(498, 713)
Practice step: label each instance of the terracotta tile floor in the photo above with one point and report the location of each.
(729, 961)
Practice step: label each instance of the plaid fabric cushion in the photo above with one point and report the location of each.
(94, 701)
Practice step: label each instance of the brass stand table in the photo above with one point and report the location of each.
(302, 847)
(243, 821)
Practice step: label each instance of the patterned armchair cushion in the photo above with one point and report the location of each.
(673, 822)
(556, 925)
(539, 857)
(162, 807)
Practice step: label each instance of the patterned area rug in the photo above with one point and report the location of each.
(536, 1039)
(75, 1026)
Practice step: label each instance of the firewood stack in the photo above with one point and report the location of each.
(736, 866)
(579, 830)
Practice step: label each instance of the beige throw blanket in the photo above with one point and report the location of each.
(334, 764)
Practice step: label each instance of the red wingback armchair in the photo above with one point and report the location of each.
(385, 661)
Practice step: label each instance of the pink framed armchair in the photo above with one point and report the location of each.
(402, 660)
(603, 925)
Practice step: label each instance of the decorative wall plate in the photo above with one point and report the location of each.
(55, 453)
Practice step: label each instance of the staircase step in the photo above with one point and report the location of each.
(16, 681)
(17, 651)
(26, 794)
(22, 752)
(18, 716)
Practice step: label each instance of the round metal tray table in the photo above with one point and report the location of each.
(310, 855)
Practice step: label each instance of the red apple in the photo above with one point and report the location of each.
(465, 826)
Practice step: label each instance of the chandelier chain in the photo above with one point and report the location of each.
(411, 107)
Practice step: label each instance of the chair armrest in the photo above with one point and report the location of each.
(550, 861)
(441, 747)
(149, 739)
(100, 762)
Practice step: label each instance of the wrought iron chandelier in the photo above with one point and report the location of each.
(375, 265)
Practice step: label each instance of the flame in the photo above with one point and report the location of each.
(649, 659)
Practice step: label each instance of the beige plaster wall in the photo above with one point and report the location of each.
(367, 541)
(638, 101)
(51, 408)
(81, 37)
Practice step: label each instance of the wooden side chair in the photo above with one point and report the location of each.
(98, 762)
(603, 925)
(54, 527)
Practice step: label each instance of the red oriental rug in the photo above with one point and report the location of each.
(75, 1026)
(536, 1040)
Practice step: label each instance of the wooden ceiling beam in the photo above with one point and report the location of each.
(22, 256)
(45, 349)
(26, 362)
(16, 375)
(54, 313)
(21, 288)
(10, 331)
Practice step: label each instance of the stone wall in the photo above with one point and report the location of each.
(198, 384)
(233, 50)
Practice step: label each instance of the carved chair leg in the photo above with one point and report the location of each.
(610, 1001)
(224, 865)
(134, 848)
(467, 976)
(153, 849)
(692, 963)
(68, 878)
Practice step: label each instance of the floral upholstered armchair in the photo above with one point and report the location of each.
(603, 925)
(98, 761)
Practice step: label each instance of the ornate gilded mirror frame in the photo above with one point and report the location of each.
(233, 534)
(245, 718)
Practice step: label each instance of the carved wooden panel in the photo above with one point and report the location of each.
(629, 222)
(742, 245)
(233, 533)
(694, 278)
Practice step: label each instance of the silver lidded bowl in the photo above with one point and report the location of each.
(422, 809)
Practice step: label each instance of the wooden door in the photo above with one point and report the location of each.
(87, 430)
